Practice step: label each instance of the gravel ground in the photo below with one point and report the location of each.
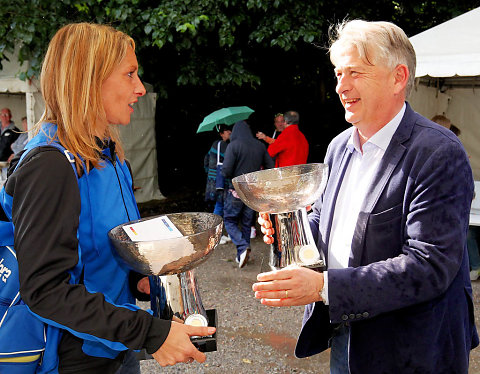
(253, 338)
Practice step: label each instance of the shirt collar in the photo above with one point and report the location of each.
(381, 138)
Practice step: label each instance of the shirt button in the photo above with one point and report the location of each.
(344, 317)
(365, 314)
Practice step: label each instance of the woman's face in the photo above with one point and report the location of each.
(120, 91)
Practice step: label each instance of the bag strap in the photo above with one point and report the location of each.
(60, 147)
(218, 153)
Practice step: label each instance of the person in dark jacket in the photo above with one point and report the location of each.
(9, 133)
(244, 154)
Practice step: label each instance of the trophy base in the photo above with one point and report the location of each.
(203, 344)
(208, 343)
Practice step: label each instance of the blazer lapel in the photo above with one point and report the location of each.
(331, 193)
(390, 160)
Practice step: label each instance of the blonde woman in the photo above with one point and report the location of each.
(69, 276)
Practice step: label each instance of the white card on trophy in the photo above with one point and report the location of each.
(152, 229)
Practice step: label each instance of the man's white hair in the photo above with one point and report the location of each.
(377, 43)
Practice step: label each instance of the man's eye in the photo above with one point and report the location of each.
(131, 74)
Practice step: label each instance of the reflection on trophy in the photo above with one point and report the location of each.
(187, 239)
(284, 193)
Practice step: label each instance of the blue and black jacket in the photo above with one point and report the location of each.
(70, 275)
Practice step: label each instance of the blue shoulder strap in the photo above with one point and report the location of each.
(60, 147)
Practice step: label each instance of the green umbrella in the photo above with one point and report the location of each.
(225, 116)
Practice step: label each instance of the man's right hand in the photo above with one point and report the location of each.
(260, 135)
(178, 347)
(266, 227)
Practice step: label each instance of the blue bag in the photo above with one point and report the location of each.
(23, 337)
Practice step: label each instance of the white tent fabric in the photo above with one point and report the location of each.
(451, 48)
(448, 78)
(24, 99)
(140, 146)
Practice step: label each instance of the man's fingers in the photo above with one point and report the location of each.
(277, 294)
(278, 302)
(275, 275)
(265, 231)
(268, 239)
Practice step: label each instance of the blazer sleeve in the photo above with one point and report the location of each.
(428, 222)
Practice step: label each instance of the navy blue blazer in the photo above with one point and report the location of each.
(406, 294)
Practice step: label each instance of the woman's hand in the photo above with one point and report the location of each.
(178, 347)
(143, 286)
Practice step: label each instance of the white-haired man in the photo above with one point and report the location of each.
(392, 223)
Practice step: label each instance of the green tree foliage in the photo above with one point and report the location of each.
(201, 55)
(212, 41)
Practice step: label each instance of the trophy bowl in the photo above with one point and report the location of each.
(170, 264)
(282, 190)
(284, 193)
(202, 232)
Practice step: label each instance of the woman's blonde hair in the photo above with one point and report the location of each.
(79, 58)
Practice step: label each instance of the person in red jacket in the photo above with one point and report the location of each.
(291, 146)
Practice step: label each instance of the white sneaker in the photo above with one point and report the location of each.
(474, 274)
(225, 239)
(243, 258)
(253, 232)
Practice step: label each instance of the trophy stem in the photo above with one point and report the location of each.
(295, 244)
(177, 295)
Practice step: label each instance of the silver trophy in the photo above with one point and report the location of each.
(170, 264)
(284, 193)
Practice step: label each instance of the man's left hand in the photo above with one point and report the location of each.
(288, 287)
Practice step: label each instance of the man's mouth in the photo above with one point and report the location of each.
(350, 101)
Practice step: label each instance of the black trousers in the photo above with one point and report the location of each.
(72, 360)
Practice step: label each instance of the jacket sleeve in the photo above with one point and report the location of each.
(6, 141)
(427, 222)
(45, 212)
(268, 162)
(229, 161)
(278, 146)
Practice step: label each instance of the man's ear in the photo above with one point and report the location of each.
(400, 76)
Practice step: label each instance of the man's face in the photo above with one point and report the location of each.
(279, 123)
(5, 117)
(366, 92)
(226, 135)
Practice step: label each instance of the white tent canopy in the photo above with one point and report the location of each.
(24, 99)
(448, 78)
(451, 48)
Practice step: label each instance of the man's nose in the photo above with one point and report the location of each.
(343, 84)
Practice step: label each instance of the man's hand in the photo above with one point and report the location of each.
(290, 286)
(178, 347)
(260, 135)
(266, 227)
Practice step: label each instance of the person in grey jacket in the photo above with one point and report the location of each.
(244, 154)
